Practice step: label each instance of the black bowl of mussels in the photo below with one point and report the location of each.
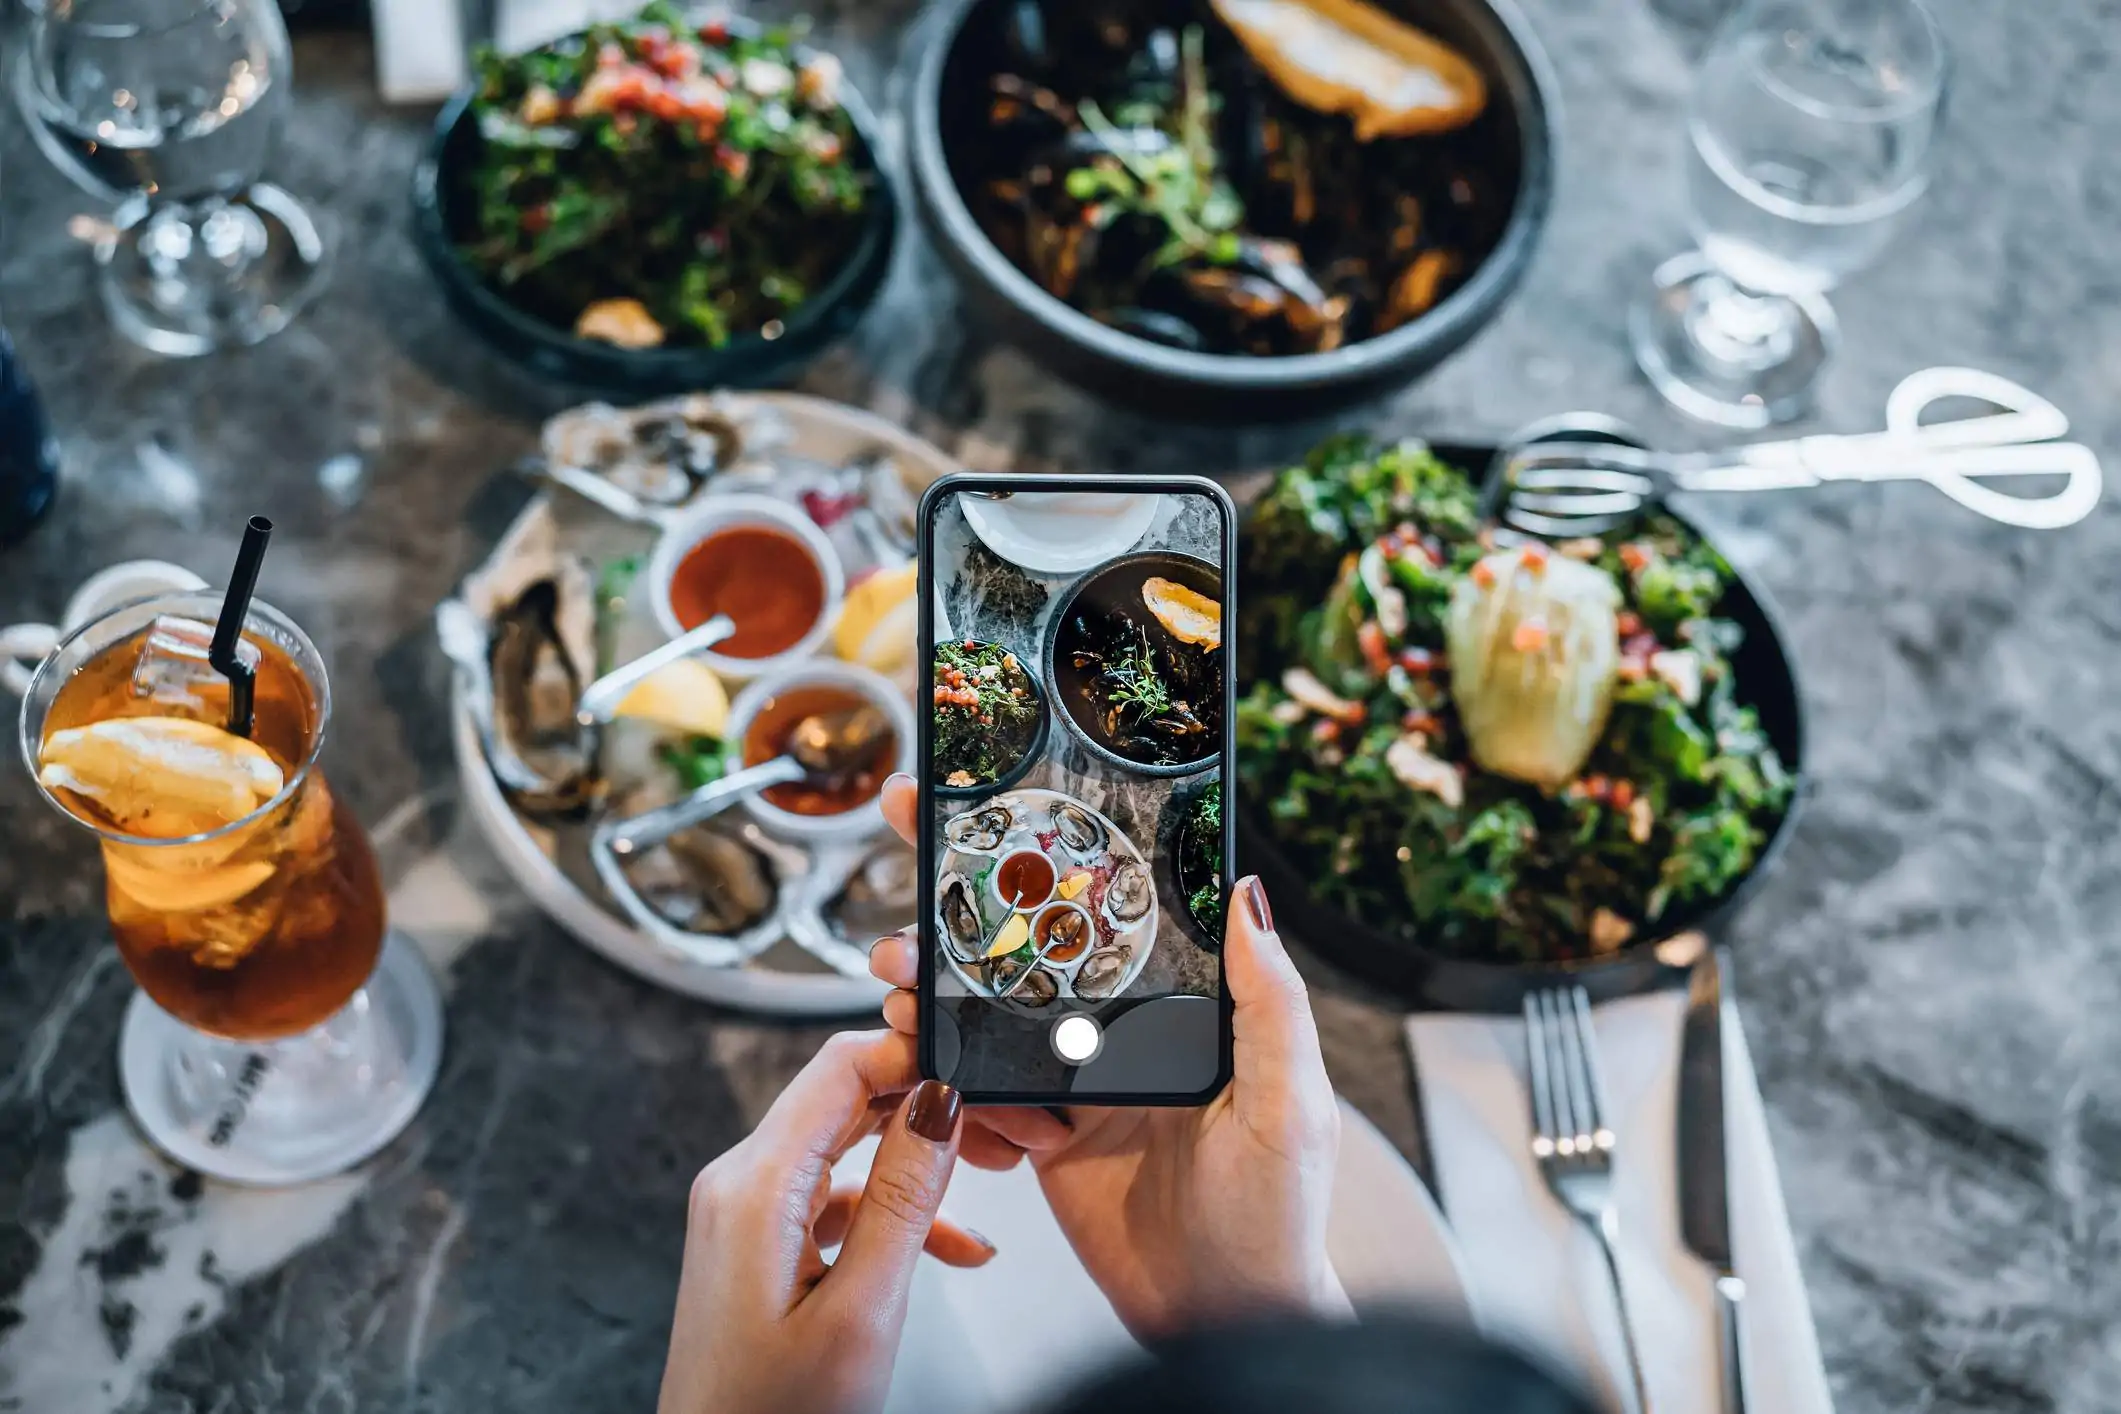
(1234, 208)
(1132, 659)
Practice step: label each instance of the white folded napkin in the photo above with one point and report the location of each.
(1536, 1275)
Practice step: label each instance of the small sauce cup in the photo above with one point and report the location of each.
(774, 704)
(764, 563)
(1027, 875)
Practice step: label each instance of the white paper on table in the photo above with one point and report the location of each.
(420, 49)
(1536, 1275)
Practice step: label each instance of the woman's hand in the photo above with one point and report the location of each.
(1183, 1216)
(764, 1325)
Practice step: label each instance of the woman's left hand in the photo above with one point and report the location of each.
(764, 1323)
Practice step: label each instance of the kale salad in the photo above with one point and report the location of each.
(986, 713)
(664, 182)
(1529, 752)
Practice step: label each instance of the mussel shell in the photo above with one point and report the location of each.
(1100, 974)
(1158, 327)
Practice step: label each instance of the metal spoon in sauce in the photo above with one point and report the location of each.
(600, 700)
(823, 750)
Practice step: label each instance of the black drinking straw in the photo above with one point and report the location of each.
(228, 632)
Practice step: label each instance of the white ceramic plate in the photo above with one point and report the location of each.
(821, 431)
(1060, 532)
(987, 1340)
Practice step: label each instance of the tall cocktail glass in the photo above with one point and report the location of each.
(281, 1032)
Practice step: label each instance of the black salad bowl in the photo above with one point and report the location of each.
(443, 216)
(1427, 979)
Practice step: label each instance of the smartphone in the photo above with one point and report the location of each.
(1075, 856)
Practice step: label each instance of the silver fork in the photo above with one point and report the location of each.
(1570, 1140)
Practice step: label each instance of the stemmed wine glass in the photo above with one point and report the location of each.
(1811, 132)
(169, 110)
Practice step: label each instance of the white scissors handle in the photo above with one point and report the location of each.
(1955, 456)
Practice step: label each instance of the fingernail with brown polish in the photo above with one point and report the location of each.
(933, 1113)
(1256, 900)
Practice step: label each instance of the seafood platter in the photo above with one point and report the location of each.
(681, 678)
(1041, 867)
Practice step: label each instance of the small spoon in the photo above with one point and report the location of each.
(823, 749)
(601, 699)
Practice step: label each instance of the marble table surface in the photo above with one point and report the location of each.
(1929, 983)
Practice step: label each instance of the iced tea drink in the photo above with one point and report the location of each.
(244, 898)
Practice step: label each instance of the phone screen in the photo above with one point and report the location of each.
(1074, 756)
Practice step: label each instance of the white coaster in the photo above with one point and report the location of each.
(292, 1111)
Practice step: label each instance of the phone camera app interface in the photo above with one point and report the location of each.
(1076, 753)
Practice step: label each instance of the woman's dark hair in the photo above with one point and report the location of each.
(1392, 1364)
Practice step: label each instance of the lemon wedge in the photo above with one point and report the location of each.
(184, 890)
(1015, 933)
(880, 620)
(684, 696)
(163, 777)
(1075, 883)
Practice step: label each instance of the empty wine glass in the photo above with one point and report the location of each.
(1811, 131)
(169, 110)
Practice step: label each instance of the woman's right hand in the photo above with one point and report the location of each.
(1186, 1216)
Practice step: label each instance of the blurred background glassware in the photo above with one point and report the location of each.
(169, 109)
(1810, 137)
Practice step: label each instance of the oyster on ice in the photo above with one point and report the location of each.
(661, 453)
(1129, 893)
(539, 610)
(957, 914)
(1100, 974)
(880, 895)
(705, 881)
(981, 829)
(1039, 989)
(1078, 829)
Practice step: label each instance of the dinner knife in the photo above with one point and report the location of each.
(1704, 1188)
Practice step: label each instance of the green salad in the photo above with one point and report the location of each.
(663, 182)
(1525, 752)
(986, 713)
(1200, 848)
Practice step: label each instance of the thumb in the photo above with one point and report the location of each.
(898, 1205)
(1279, 1078)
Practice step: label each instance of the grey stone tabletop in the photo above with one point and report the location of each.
(1929, 983)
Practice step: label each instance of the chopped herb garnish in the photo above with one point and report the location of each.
(696, 761)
